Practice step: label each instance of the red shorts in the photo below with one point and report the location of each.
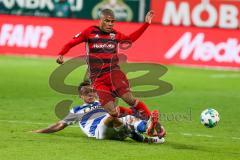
(111, 85)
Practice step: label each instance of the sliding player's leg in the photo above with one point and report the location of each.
(135, 128)
(111, 128)
(152, 127)
(106, 130)
(145, 139)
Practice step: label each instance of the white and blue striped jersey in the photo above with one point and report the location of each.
(89, 117)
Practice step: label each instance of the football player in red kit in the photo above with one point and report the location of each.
(108, 80)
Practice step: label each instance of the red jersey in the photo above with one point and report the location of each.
(102, 48)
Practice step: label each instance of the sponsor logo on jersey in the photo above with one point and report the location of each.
(90, 108)
(107, 46)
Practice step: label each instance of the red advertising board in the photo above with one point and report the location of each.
(199, 13)
(212, 47)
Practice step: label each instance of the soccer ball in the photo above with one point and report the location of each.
(210, 117)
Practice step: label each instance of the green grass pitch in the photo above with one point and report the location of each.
(27, 103)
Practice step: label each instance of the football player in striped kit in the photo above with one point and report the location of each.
(94, 121)
(102, 44)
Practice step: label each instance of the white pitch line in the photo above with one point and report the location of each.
(204, 135)
(235, 138)
(225, 76)
(25, 122)
(184, 134)
(197, 135)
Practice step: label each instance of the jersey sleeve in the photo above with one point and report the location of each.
(135, 35)
(71, 118)
(78, 38)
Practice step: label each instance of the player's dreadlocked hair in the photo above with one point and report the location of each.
(107, 12)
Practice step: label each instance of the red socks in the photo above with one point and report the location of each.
(124, 111)
(141, 107)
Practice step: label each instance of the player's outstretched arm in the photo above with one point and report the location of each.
(53, 128)
(148, 20)
(79, 38)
